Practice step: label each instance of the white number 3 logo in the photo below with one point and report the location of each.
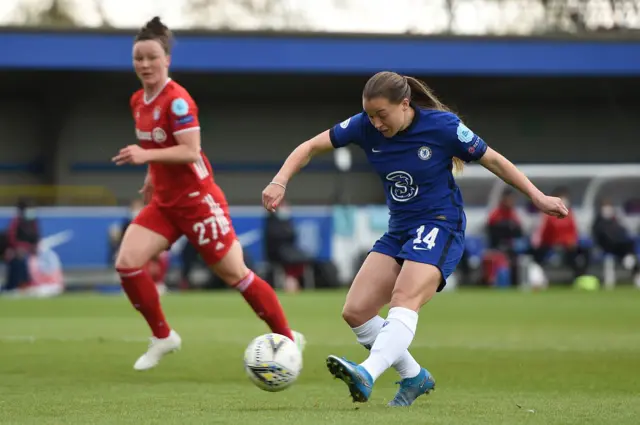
(429, 240)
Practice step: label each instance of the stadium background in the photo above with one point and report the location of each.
(559, 99)
(565, 107)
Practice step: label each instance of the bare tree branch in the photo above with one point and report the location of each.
(243, 14)
(57, 13)
(104, 21)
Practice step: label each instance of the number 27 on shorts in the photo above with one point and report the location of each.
(217, 222)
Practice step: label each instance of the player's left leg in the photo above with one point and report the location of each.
(430, 256)
(209, 229)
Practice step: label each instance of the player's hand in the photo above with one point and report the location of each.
(551, 205)
(132, 154)
(272, 196)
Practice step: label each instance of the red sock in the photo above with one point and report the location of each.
(264, 301)
(143, 294)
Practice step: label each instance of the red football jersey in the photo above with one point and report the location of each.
(158, 120)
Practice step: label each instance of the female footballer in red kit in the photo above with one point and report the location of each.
(181, 199)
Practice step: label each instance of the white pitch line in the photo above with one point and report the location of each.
(33, 339)
(417, 344)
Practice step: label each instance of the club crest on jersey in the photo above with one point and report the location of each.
(424, 153)
(159, 136)
(180, 107)
(465, 135)
(345, 123)
(156, 113)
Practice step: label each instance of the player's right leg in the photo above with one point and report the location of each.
(369, 292)
(149, 234)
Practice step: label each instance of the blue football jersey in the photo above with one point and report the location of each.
(415, 165)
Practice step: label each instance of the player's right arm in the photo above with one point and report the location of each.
(349, 131)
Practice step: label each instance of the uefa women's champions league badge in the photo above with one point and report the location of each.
(465, 135)
(180, 107)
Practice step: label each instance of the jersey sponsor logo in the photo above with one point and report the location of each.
(180, 107)
(156, 113)
(159, 135)
(185, 120)
(402, 188)
(465, 135)
(424, 153)
(143, 135)
(345, 123)
(374, 150)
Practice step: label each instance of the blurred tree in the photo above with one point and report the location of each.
(244, 14)
(581, 16)
(56, 14)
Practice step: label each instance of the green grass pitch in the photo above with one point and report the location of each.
(499, 357)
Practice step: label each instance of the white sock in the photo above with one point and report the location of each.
(394, 339)
(367, 333)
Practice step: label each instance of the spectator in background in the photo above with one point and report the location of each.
(158, 266)
(23, 235)
(561, 236)
(504, 232)
(281, 248)
(613, 238)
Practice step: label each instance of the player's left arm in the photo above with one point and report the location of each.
(510, 174)
(468, 146)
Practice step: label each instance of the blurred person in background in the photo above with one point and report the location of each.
(561, 236)
(281, 247)
(23, 235)
(158, 266)
(613, 238)
(504, 233)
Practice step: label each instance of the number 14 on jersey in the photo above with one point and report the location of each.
(429, 239)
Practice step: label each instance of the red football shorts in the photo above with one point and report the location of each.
(207, 225)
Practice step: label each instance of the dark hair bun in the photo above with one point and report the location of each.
(156, 30)
(156, 26)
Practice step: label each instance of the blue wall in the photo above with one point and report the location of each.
(88, 228)
(330, 54)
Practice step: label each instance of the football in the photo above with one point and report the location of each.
(273, 362)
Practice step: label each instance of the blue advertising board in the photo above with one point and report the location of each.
(80, 235)
(330, 54)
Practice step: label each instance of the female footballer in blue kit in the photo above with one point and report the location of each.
(413, 142)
